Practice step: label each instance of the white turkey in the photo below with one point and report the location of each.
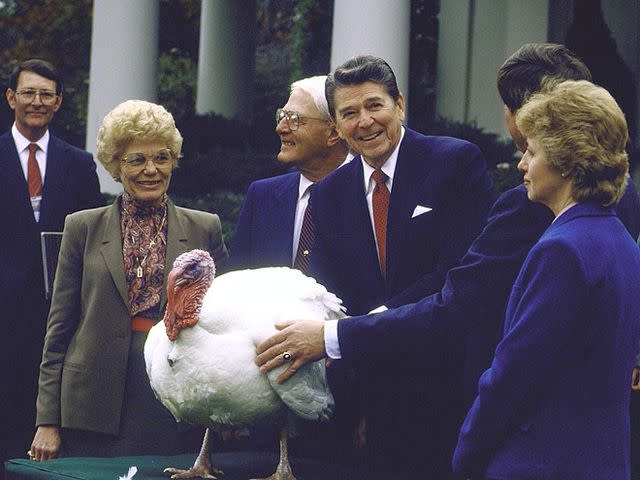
(200, 360)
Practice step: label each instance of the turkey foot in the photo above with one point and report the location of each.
(283, 471)
(202, 467)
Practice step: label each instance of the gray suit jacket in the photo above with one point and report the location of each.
(84, 363)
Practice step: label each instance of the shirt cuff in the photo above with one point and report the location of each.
(331, 344)
(381, 308)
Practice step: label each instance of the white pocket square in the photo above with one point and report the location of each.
(419, 210)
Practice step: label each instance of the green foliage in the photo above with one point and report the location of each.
(177, 79)
(222, 168)
(226, 204)
(423, 60)
(311, 32)
(494, 149)
(57, 31)
(505, 176)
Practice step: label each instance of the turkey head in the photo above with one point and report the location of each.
(187, 283)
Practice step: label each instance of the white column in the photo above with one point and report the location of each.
(373, 27)
(226, 58)
(476, 36)
(454, 46)
(124, 54)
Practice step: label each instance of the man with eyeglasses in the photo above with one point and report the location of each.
(273, 214)
(43, 180)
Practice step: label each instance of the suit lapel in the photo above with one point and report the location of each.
(112, 250)
(411, 172)
(53, 187)
(359, 220)
(14, 182)
(284, 202)
(177, 243)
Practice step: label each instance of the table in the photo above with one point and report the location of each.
(236, 466)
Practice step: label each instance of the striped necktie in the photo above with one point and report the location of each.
(303, 254)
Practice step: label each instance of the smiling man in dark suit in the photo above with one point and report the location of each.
(437, 190)
(271, 219)
(43, 180)
(390, 224)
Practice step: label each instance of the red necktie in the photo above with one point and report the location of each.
(34, 179)
(303, 255)
(380, 201)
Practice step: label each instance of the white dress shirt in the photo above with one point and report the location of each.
(331, 343)
(301, 206)
(22, 146)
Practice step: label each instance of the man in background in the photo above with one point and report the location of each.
(273, 213)
(43, 180)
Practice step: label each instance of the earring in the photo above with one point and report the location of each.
(563, 174)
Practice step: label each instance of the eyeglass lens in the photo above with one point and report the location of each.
(160, 159)
(293, 118)
(46, 97)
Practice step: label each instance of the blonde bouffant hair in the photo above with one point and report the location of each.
(131, 121)
(583, 132)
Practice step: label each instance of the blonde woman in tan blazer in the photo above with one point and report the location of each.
(94, 398)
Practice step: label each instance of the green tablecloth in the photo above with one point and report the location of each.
(236, 466)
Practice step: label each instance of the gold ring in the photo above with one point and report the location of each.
(286, 357)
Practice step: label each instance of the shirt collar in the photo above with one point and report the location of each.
(389, 166)
(303, 186)
(23, 142)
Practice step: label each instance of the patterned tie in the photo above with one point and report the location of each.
(380, 201)
(303, 255)
(34, 179)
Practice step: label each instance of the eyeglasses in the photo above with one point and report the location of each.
(161, 159)
(294, 119)
(46, 97)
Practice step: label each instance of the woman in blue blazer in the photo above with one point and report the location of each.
(555, 402)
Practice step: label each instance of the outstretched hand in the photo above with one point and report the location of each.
(303, 340)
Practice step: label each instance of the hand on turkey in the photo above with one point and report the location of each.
(303, 340)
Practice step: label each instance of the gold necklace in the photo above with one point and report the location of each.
(141, 263)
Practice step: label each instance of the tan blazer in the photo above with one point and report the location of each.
(86, 347)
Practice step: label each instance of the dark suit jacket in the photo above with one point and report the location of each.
(555, 401)
(445, 174)
(264, 233)
(457, 329)
(450, 177)
(70, 184)
(84, 363)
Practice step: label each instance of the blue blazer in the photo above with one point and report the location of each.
(264, 233)
(555, 401)
(445, 174)
(450, 337)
